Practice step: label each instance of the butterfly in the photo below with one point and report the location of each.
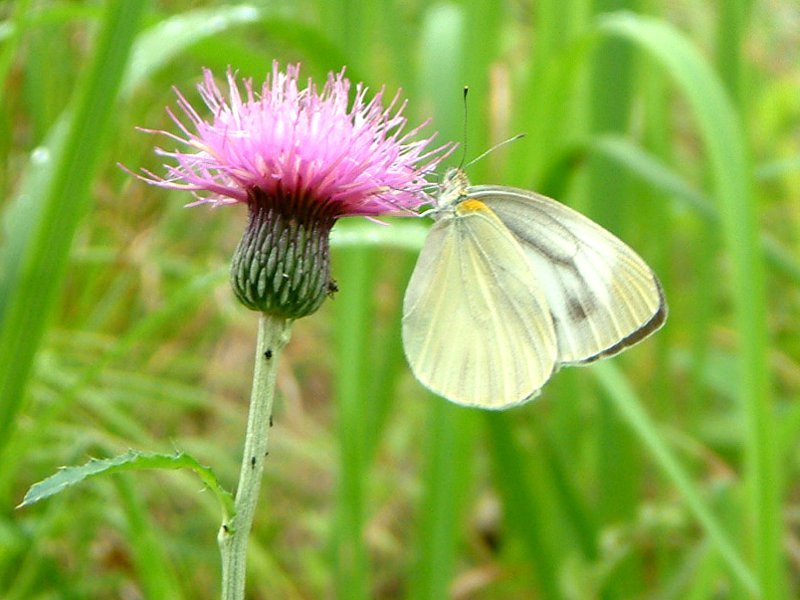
(510, 285)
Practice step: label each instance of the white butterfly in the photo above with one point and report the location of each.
(510, 285)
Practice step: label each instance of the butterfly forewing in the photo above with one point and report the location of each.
(476, 327)
(601, 295)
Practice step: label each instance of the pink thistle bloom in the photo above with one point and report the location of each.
(299, 159)
(303, 145)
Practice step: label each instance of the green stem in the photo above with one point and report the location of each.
(273, 335)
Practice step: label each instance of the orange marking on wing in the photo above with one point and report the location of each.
(471, 205)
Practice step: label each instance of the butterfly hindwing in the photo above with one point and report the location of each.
(601, 294)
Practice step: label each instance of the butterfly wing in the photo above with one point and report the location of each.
(602, 296)
(476, 328)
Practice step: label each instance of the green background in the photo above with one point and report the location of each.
(669, 472)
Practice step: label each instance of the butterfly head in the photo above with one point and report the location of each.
(453, 189)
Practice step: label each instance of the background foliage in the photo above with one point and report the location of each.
(670, 472)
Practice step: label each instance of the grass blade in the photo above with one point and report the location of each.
(732, 173)
(619, 391)
(354, 315)
(659, 175)
(28, 295)
(521, 503)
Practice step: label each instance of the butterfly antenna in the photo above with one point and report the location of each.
(493, 148)
(464, 146)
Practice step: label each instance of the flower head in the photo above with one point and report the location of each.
(353, 159)
(299, 159)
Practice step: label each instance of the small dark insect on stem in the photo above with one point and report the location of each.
(268, 354)
(252, 462)
(332, 288)
(270, 420)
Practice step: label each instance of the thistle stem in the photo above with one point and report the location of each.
(273, 335)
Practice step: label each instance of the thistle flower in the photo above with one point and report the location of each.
(299, 159)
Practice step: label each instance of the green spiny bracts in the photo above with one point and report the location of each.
(282, 264)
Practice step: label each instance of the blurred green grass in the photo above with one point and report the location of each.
(670, 472)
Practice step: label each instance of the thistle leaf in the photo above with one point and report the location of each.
(132, 460)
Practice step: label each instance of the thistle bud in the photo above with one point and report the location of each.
(282, 263)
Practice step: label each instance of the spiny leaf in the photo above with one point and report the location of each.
(130, 461)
